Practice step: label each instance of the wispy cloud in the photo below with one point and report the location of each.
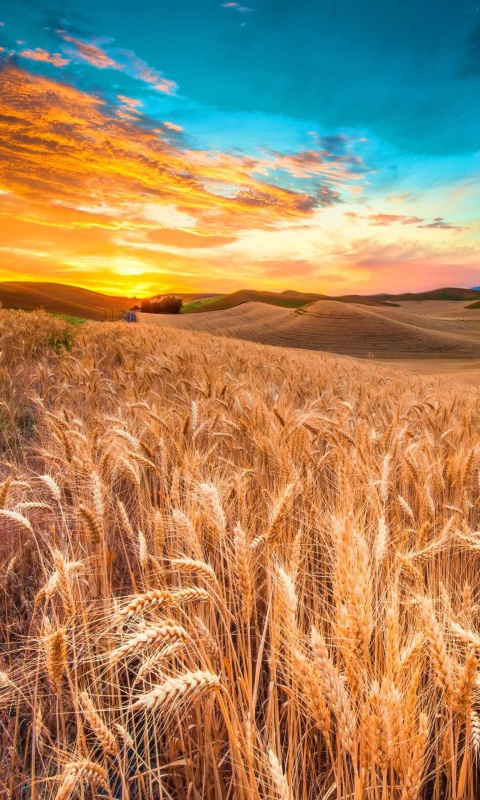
(382, 220)
(44, 56)
(88, 52)
(440, 224)
(389, 219)
(129, 108)
(172, 126)
(136, 67)
(130, 102)
(125, 61)
(334, 166)
(236, 7)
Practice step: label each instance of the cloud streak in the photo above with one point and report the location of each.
(383, 220)
(90, 53)
(440, 224)
(236, 7)
(39, 54)
(122, 60)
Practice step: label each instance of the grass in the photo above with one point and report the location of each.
(233, 571)
(194, 305)
(71, 320)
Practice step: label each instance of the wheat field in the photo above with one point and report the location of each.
(230, 571)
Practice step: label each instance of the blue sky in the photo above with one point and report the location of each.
(335, 135)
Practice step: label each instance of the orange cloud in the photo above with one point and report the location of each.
(91, 194)
(130, 102)
(172, 127)
(43, 55)
(388, 219)
(90, 53)
(332, 162)
(174, 237)
(122, 60)
(61, 145)
(73, 175)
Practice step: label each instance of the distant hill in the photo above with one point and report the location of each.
(62, 299)
(447, 293)
(288, 299)
(284, 299)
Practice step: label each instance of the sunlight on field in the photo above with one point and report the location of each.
(231, 570)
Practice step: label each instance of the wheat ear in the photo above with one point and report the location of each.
(279, 778)
(155, 598)
(189, 686)
(416, 762)
(55, 654)
(151, 637)
(243, 569)
(81, 772)
(100, 729)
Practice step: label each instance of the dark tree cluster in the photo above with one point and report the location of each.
(164, 305)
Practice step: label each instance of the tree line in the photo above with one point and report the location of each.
(169, 304)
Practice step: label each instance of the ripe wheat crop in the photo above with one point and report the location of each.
(233, 571)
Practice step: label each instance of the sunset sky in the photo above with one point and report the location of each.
(193, 145)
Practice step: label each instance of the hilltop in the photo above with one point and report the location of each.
(295, 299)
(287, 299)
(444, 293)
(59, 298)
(62, 299)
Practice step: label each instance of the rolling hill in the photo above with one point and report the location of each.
(287, 299)
(62, 299)
(295, 299)
(445, 293)
(283, 299)
(343, 328)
